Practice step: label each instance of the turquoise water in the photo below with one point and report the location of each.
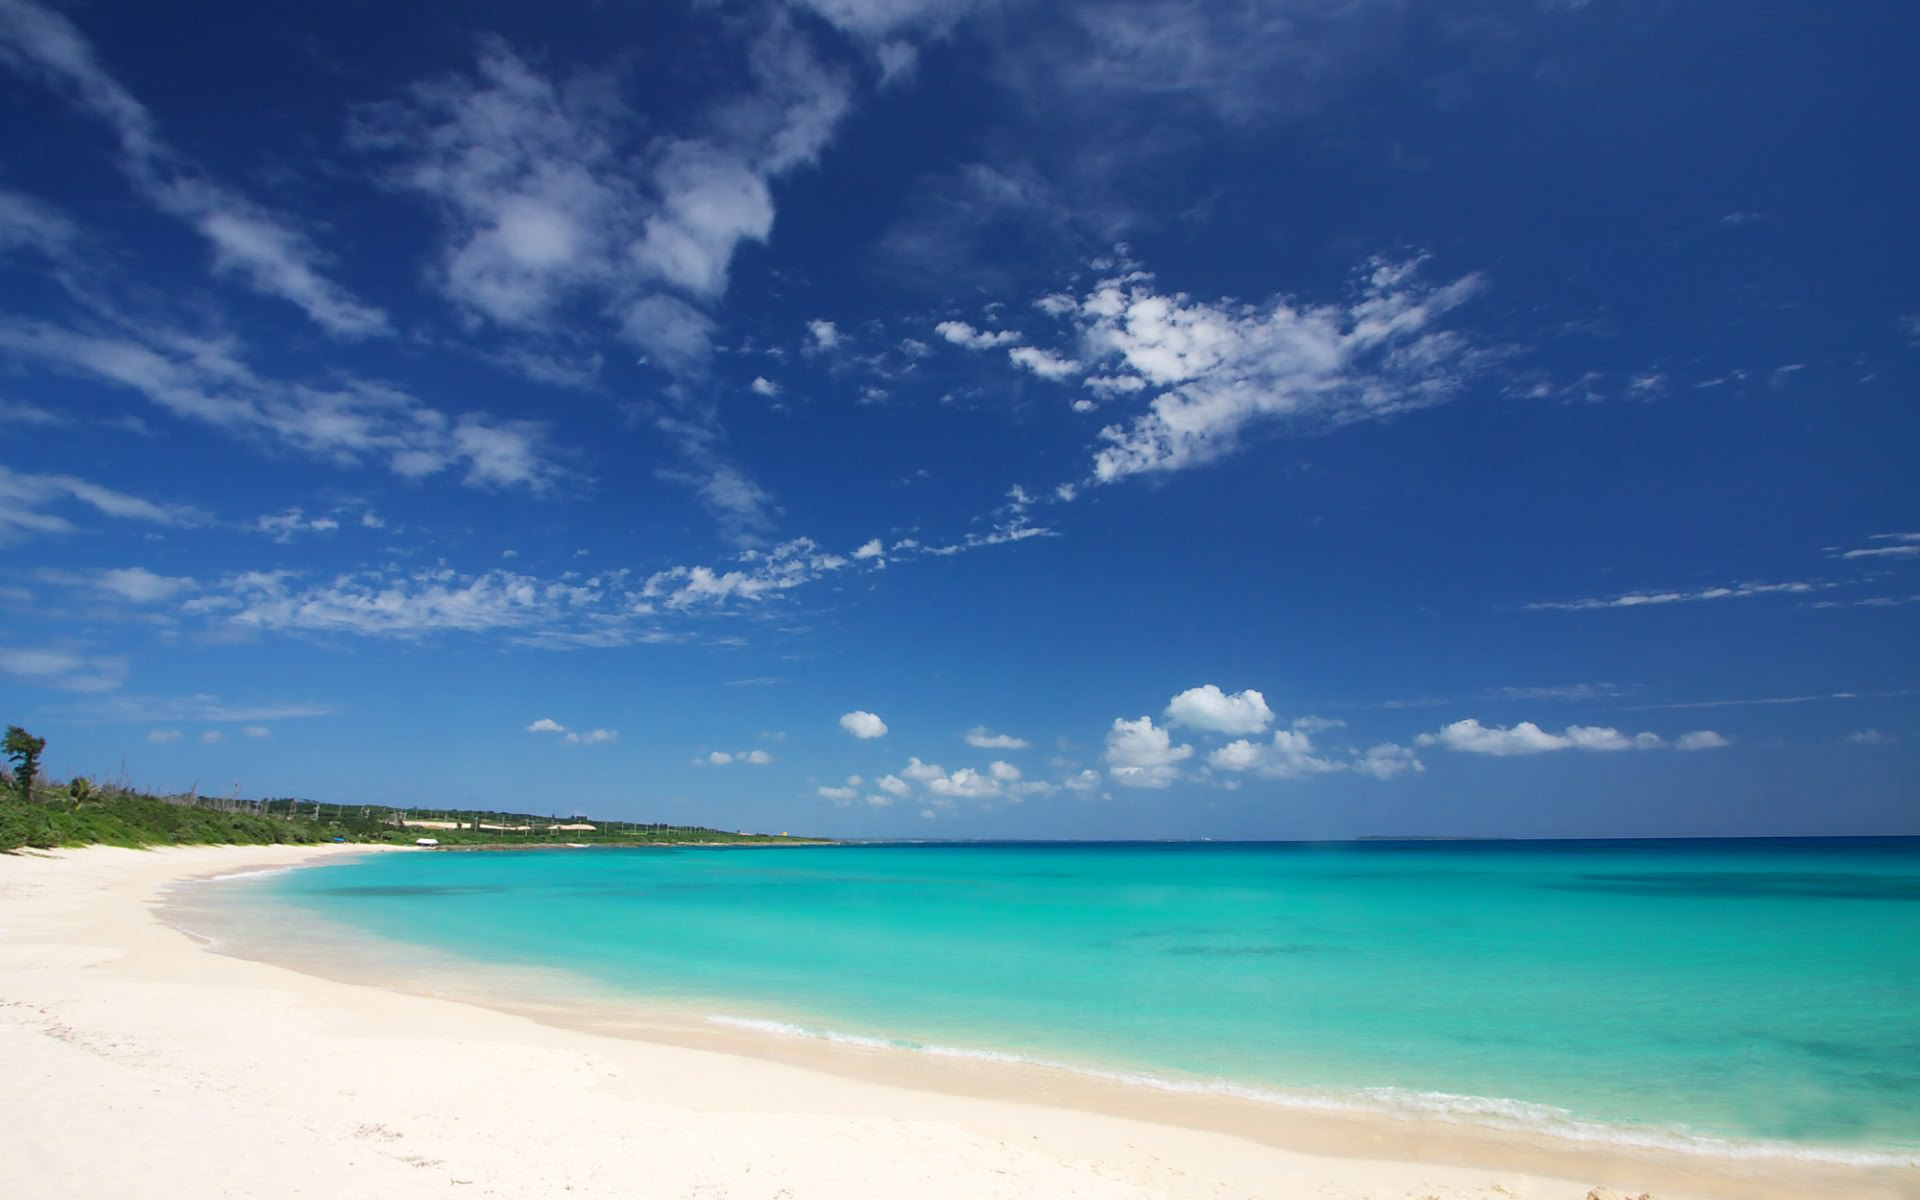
(1684, 992)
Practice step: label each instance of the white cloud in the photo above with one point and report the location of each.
(1888, 545)
(824, 333)
(34, 225)
(981, 738)
(921, 772)
(346, 421)
(1207, 707)
(424, 602)
(1005, 772)
(759, 574)
(1218, 369)
(1471, 737)
(25, 500)
(758, 758)
(1474, 738)
(594, 737)
(879, 801)
(762, 386)
(870, 549)
(161, 737)
(1043, 363)
(282, 526)
(1870, 737)
(63, 669)
(1700, 739)
(546, 725)
(893, 784)
(719, 758)
(256, 731)
(263, 249)
(212, 737)
(139, 585)
(1388, 760)
(1141, 754)
(1736, 591)
(863, 725)
(1289, 755)
(962, 334)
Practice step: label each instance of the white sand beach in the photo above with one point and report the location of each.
(140, 1064)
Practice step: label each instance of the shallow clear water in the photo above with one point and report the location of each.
(1754, 991)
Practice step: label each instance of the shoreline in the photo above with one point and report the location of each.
(86, 961)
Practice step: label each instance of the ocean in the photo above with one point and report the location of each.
(1722, 997)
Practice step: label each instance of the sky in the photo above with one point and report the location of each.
(971, 418)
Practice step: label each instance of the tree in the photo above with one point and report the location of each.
(23, 749)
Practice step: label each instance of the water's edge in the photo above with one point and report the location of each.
(233, 920)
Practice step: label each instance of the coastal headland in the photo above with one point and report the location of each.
(140, 1063)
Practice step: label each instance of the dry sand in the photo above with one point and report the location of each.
(138, 1064)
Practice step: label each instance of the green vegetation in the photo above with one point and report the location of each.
(42, 814)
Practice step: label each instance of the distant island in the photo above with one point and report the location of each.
(42, 814)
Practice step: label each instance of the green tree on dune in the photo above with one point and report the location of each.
(23, 750)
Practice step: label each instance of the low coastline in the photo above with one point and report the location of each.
(104, 1007)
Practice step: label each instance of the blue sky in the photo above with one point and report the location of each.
(961, 418)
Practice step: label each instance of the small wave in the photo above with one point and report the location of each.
(1494, 1112)
(255, 873)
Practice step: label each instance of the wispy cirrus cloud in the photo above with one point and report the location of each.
(1654, 599)
(27, 501)
(264, 250)
(555, 197)
(346, 420)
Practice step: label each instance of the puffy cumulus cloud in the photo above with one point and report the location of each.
(263, 250)
(1215, 369)
(1700, 739)
(921, 772)
(1525, 737)
(26, 502)
(1141, 754)
(1044, 363)
(842, 794)
(822, 335)
(1207, 707)
(893, 785)
(869, 550)
(863, 725)
(546, 725)
(1471, 736)
(64, 669)
(1387, 761)
(981, 738)
(966, 784)
(1289, 755)
(593, 737)
(721, 758)
(345, 421)
(762, 386)
(962, 334)
(1005, 772)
